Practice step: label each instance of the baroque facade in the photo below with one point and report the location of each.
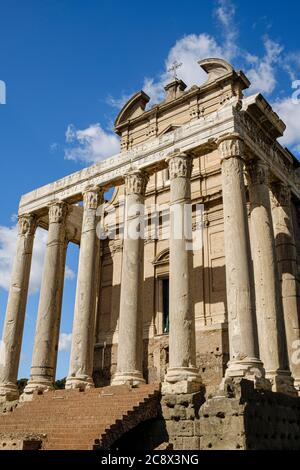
(199, 321)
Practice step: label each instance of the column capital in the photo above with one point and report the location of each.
(27, 224)
(92, 196)
(257, 172)
(136, 182)
(231, 146)
(280, 195)
(57, 212)
(180, 165)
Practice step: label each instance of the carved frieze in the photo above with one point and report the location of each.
(271, 148)
(197, 133)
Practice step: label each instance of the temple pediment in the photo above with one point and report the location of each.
(170, 128)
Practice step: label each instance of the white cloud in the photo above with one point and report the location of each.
(65, 340)
(54, 147)
(118, 102)
(94, 143)
(262, 75)
(225, 14)
(69, 274)
(90, 145)
(8, 238)
(289, 112)
(188, 50)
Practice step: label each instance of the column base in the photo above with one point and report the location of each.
(83, 382)
(282, 382)
(128, 378)
(8, 392)
(36, 386)
(181, 380)
(249, 368)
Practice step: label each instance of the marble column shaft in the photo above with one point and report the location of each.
(83, 335)
(16, 307)
(182, 375)
(268, 299)
(42, 373)
(244, 361)
(130, 337)
(287, 266)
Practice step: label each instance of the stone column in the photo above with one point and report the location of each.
(130, 338)
(15, 311)
(244, 361)
(83, 336)
(268, 300)
(182, 375)
(287, 266)
(42, 373)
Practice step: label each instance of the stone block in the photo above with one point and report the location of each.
(180, 428)
(191, 443)
(177, 443)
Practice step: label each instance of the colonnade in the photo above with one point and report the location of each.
(263, 317)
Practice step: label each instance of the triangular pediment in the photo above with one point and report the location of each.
(169, 128)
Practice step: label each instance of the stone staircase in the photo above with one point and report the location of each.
(70, 419)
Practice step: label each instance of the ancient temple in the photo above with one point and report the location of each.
(208, 318)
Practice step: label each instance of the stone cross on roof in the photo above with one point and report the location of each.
(174, 67)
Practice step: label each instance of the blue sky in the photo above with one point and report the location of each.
(69, 65)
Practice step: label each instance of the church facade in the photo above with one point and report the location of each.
(188, 275)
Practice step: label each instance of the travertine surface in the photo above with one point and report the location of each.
(287, 266)
(182, 375)
(15, 312)
(82, 348)
(244, 361)
(267, 288)
(42, 372)
(129, 363)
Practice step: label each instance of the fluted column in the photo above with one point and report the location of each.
(268, 300)
(16, 307)
(182, 375)
(244, 361)
(42, 372)
(82, 349)
(130, 338)
(287, 266)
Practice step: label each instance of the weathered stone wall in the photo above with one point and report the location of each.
(211, 352)
(241, 419)
(252, 420)
(181, 414)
